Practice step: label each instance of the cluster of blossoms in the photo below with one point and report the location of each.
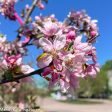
(11, 63)
(85, 24)
(7, 8)
(68, 51)
(66, 55)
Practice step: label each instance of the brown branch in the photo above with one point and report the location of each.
(27, 17)
(31, 10)
(22, 76)
(39, 71)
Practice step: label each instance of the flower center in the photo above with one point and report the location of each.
(54, 53)
(70, 65)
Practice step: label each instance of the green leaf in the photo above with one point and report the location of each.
(8, 75)
(70, 46)
(40, 36)
(1, 35)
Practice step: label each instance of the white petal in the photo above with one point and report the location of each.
(94, 21)
(19, 61)
(64, 86)
(5, 64)
(45, 61)
(77, 40)
(2, 39)
(26, 69)
(59, 42)
(84, 47)
(45, 44)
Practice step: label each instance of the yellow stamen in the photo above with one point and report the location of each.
(84, 66)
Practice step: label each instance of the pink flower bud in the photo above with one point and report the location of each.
(93, 33)
(52, 16)
(37, 18)
(41, 6)
(27, 7)
(71, 35)
(27, 39)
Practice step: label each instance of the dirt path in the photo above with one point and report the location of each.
(54, 106)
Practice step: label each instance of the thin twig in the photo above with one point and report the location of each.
(27, 17)
(31, 10)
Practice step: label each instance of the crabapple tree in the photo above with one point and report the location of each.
(68, 51)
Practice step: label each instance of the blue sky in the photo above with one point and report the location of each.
(97, 9)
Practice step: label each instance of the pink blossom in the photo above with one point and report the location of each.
(54, 75)
(51, 50)
(93, 33)
(92, 70)
(7, 8)
(71, 35)
(49, 28)
(73, 65)
(2, 39)
(38, 19)
(2, 42)
(40, 5)
(12, 60)
(80, 47)
(70, 84)
(26, 69)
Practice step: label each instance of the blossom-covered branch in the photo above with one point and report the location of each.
(68, 49)
(28, 14)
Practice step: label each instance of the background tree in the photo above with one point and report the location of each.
(97, 87)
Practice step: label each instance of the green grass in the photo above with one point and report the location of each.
(82, 101)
